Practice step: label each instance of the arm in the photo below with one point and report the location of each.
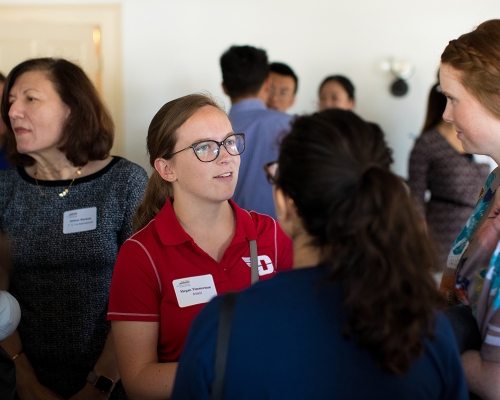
(418, 170)
(5, 261)
(136, 350)
(134, 310)
(28, 386)
(137, 182)
(483, 377)
(107, 366)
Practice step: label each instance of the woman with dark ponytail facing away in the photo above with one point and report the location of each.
(356, 318)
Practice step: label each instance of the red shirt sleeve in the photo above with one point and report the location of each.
(135, 293)
(273, 241)
(285, 249)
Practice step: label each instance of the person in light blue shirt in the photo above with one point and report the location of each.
(245, 75)
(284, 85)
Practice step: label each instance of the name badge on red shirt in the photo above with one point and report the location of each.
(194, 290)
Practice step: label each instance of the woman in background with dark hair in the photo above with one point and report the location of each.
(67, 208)
(356, 318)
(439, 164)
(336, 91)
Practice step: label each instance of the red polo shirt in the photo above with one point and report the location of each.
(142, 288)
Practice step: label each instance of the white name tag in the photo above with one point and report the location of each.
(84, 219)
(194, 290)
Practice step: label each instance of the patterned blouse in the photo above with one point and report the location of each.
(473, 274)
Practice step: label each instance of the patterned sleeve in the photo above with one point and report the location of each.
(6, 185)
(136, 185)
(490, 349)
(487, 307)
(419, 165)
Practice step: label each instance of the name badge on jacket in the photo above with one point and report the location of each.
(82, 220)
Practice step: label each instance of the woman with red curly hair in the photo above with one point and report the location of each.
(470, 79)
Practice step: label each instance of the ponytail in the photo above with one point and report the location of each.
(157, 193)
(382, 258)
(335, 168)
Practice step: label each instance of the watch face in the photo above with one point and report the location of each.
(104, 384)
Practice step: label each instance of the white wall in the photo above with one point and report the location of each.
(171, 48)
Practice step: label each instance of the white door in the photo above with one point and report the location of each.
(22, 40)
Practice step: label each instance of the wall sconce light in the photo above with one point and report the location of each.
(401, 70)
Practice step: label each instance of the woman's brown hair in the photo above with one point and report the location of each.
(477, 56)
(335, 168)
(89, 130)
(436, 105)
(161, 140)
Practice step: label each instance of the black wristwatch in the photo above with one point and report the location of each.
(101, 382)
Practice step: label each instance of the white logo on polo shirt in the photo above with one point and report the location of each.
(266, 266)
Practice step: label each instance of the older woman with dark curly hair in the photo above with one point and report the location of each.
(67, 208)
(356, 318)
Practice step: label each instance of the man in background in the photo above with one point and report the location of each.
(245, 79)
(284, 85)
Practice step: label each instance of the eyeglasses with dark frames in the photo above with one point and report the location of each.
(209, 150)
(271, 170)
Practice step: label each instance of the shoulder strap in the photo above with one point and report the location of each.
(254, 262)
(254, 257)
(223, 335)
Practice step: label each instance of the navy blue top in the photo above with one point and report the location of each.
(4, 164)
(263, 129)
(287, 343)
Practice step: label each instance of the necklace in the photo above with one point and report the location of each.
(65, 191)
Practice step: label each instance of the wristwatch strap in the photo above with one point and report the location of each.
(101, 382)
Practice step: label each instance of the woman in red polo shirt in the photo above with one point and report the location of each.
(191, 242)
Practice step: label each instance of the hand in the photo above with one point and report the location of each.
(90, 392)
(37, 392)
